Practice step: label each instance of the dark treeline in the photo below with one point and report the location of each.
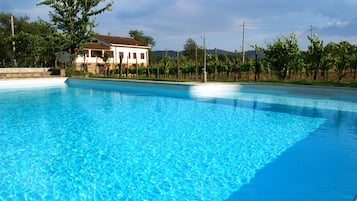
(36, 43)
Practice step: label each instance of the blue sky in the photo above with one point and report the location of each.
(172, 22)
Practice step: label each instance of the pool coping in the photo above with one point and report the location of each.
(253, 87)
(27, 83)
(334, 98)
(169, 85)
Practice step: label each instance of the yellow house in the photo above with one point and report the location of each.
(116, 50)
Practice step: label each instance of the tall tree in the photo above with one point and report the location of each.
(31, 48)
(354, 62)
(20, 24)
(74, 19)
(344, 55)
(192, 52)
(140, 36)
(5, 33)
(190, 49)
(329, 59)
(283, 55)
(237, 67)
(36, 42)
(315, 54)
(257, 69)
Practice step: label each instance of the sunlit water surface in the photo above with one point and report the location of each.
(67, 143)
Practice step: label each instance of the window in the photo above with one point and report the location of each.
(121, 55)
(96, 53)
(129, 55)
(142, 56)
(85, 53)
(110, 54)
(134, 55)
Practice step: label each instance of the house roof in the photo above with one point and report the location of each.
(98, 46)
(119, 40)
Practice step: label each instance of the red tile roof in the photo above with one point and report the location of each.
(119, 40)
(98, 46)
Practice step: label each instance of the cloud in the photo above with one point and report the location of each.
(172, 22)
(345, 28)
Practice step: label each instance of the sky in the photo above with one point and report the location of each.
(219, 22)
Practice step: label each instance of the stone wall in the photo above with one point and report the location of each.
(24, 72)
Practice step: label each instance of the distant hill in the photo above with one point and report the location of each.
(220, 52)
(250, 53)
(170, 53)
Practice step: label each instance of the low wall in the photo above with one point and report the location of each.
(24, 72)
(32, 83)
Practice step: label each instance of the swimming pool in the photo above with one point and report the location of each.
(123, 140)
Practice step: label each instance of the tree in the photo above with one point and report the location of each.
(354, 62)
(31, 48)
(329, 59)
(224, 65)
(237, 67)
(315, 54)
(216, 62)
(53, 45)
(5, 33)
(283, 55)
(36, 43)
(140, 36)
(344, 54)
(189, 49)
(193, 53)
(73, 18)
(20, 24)
(257, 69)
(246, 67)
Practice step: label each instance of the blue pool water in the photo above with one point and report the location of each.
(78, 143)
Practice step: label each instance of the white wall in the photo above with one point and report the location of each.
(126, 51)
(116, 50)
(116, 60)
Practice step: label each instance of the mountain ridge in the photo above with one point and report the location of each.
(250, 53)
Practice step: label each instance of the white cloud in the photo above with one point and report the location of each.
(172, 22)
(337, 23)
